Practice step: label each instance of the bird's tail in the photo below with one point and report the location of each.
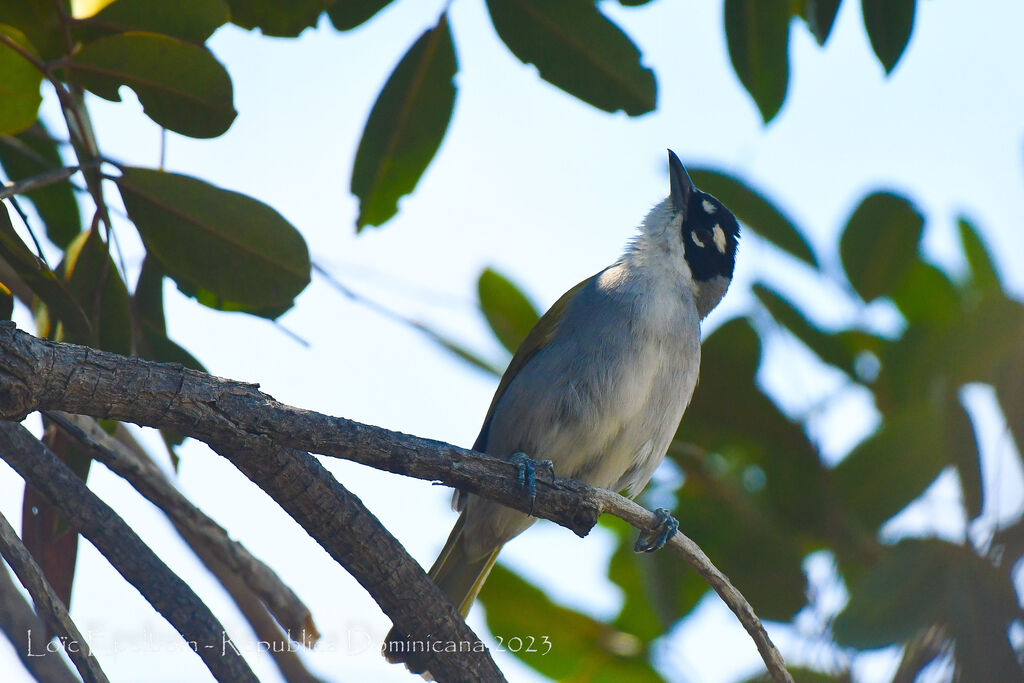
(459, 576)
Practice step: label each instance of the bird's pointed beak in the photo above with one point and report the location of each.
(680, 182)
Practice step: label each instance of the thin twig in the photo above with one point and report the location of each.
(35, 182)
(48, 604)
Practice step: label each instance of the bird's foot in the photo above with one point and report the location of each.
(526, 468)
(667, 527)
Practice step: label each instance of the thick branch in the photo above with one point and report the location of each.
(85, 381)
(48, 604)
(132, 558)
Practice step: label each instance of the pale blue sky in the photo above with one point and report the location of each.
(548, 190)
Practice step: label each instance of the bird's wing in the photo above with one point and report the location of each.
(540, 336)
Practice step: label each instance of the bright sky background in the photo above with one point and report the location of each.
(548, 190)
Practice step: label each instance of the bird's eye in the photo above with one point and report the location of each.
(702, 237)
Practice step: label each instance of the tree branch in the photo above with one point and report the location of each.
(94, 519)
(48, 604)
(37, 374)
(17, 620)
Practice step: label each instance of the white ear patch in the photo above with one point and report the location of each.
(696, 240)
(719, 238)
(709, 207)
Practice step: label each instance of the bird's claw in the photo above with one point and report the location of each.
(667, 527)
(526, 474)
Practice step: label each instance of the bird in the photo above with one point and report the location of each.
(599, 385)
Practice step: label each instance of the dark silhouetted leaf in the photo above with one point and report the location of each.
(828, 347)
(756, 212)
(31, 153)
(193, 21)
(757, 32)
(6, 302)
(277, 18)
(633, 3)
(820, 15)
(19, 84)
(93, 280)
(406, 126)
(39, 21)
(181, 86)
(351, 13)
(900, 595)
(879, 243)
(889, 469)
(966, 454)
(889, 24)
(578, 49)
(983, 269)
(40, 279)
(509, 313)
(581, 648)
(225, 243)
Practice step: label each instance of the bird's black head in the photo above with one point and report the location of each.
(710, 235)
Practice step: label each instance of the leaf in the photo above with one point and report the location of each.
(577, 49)
(925, 293)
(352, 13)
(458, 350)
(757, 32)
(820, 15)
(983, 270)
(39, 21)
(193, 21)
(93, 280)
(276, 18)
(879, 243)
(830, 348)
(566, 644)
(225, 243)
(966, 454)
(509, 313)
(40, 279)
(889, 24)
(19, 84)
(756, 212)
(406, 126)
(33, 152)
(6, 302)
(181, 86)
(642, 612)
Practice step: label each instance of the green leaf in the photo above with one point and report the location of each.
(224, 243)
(898, 597)
(830, 348)
(820, 15)
(181, 86)
(6, 302)
(277, 18)
(19, 84)
(566, 644)
(509, 313)
(891, 468)
(351, 13)
(879, 243)
(966, 454)
(33, 152)
(406, 126)
(925, 293)
(889, 24)
(577, 49)
(193, 21)
(753, 208)
(757, 32)
(983, 270)
(40, 279)
(458, 350)
(643, 611)
(93, 280)
(1010, 391)
(39, 21)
